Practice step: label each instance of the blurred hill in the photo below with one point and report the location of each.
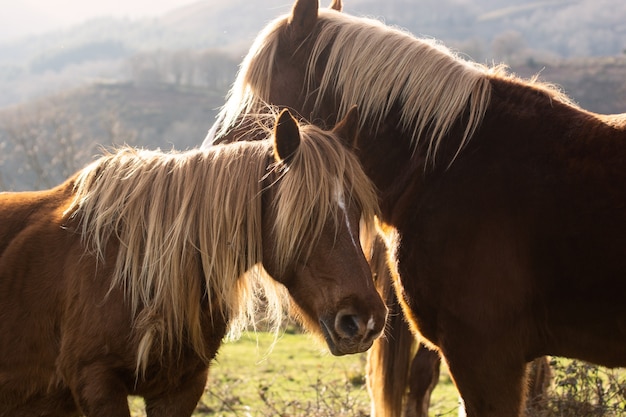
(485, 30)
(596, 84)
(158, 82)
(44, 141)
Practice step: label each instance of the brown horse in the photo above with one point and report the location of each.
(508, 199)
(125, 279)
(402, 373)
(395, 362)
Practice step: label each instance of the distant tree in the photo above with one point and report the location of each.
(41, 149)
(216, 68)
(147, 68)
(180, 66)
(45, 144)
(211, 68)
(90, 51)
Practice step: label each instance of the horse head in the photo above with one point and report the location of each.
(330, 280)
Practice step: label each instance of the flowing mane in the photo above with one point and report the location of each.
(204, 223)
(375, 67)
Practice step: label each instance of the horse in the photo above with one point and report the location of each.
(507, 197)
(125, 279)
(402, 373)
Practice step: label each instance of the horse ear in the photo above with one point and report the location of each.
(336, 5)
(286, 137)
(348, 128)
(303, 17)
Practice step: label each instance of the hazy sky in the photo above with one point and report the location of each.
(24, 17)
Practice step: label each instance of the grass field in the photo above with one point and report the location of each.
(296, 377)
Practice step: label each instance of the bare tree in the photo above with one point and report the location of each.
(147, 68)
(43, 144)
(217, 69)
(180, 66)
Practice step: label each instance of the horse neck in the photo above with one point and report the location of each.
(399, 168)
(522, 110)
(387, 158)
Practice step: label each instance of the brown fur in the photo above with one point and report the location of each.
(402, 373)
(387, 371)
(515, 246)
(125, 278)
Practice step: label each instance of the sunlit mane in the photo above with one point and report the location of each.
(182, 218)
(376, 67)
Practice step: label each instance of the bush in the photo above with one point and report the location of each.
(584, 390)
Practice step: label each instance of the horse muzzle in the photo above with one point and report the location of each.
(347, 332)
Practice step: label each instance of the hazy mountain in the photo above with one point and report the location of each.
(158, 82)
(485, 30)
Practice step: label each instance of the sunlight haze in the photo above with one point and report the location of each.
(28, 17)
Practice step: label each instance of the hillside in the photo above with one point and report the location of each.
(486, 30)
(178, 116)
(45, 141)
(596, 84)
(158, 82)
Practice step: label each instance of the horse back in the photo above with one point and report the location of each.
(19, 210)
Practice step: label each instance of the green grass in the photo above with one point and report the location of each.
(296, 374)
(445, 398)
(297, 377)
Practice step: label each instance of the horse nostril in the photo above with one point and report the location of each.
(347, 325)
(370, 335)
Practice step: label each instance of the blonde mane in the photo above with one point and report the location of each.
(375, 67)
(181, 218)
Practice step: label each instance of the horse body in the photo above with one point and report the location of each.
(21, 302)
(508, 200)
(520, 244)
(65, 332)
(125, 279)
(519, 247)
(549, 212)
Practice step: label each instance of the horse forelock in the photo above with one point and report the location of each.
(321, 177)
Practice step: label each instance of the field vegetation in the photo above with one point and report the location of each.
(292, 376)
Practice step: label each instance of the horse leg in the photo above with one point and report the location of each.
(422, 381)
(490, 385)
(539, 377)
(99, 392)
(181, 401)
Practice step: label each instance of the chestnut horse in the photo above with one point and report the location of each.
(402, 373)
(508, 199)
(125, 279)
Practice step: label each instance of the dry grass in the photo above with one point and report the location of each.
(581, 389)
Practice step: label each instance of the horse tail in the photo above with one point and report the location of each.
(389, 359)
